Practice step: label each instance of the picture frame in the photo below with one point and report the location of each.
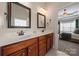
(41, 20)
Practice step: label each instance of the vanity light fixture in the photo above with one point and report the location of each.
(42, 10)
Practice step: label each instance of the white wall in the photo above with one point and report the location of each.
(3, 23)
(51, 13)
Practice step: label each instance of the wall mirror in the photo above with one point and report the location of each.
(41, 20)
(19, 16)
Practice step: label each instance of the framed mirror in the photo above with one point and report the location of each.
(19, 16)
(41, 20)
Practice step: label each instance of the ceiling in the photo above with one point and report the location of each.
(72, 9)
(59, 5)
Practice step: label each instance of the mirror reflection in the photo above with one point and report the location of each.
(20, 15)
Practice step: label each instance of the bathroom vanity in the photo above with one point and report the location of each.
(35, 46)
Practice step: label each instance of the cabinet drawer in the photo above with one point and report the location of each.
(42, 41)
(9, 49)
(33, 50)
(20, 53)
(49, 35)
(42, 38)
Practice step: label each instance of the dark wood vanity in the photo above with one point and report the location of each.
(37, 46)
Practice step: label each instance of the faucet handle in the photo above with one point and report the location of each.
(20, 32)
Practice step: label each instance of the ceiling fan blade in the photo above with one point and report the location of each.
(74, 13)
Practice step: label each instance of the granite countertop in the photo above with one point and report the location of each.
(7, 38)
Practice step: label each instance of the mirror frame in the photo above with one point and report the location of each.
(39, 14)
(9, 15)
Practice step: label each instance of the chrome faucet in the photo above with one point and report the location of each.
(20, 33)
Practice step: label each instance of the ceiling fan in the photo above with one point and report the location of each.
(65, 14)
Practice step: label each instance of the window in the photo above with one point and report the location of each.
(67, 26)
(19, 22)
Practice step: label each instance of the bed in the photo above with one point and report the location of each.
(75, 36)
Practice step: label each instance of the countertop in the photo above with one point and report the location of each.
(8, 38)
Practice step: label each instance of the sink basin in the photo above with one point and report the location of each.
(24, 36)
(13, 36)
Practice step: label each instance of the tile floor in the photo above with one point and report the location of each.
(54, 52)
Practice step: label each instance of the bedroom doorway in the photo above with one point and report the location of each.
(66, 29)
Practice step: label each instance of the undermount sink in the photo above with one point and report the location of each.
(9, 38)
(24, 36)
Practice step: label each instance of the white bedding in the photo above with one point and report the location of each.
(75, 36)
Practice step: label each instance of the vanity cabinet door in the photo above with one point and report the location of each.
(48, 44)
(42, 49)
(51, 38)
(0, 51)
(12, 48)
(20, 53)
(49, 41)
(42, 45)
(33, 50)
